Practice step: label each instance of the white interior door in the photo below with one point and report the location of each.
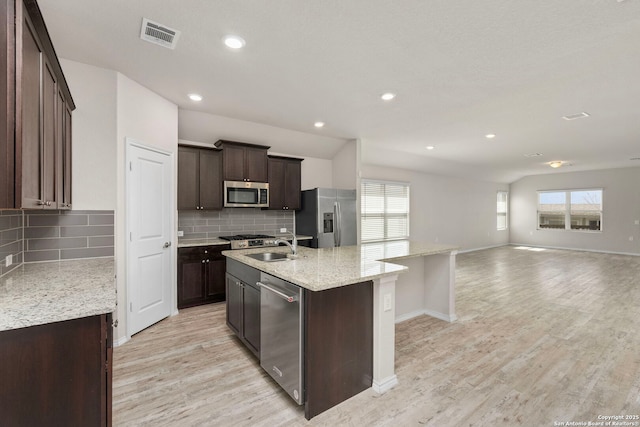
(149, 241)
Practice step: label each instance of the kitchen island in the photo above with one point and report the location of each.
(56, 343)
(319, 270)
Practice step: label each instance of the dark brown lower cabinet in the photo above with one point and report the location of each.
(58, 374)
(201, 273)
(338, 355)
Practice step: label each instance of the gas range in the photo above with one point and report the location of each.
(245, 241)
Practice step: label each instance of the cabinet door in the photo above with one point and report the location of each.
(233, 163)
(54, 374)
(256, 164)
(234, 304)
(49, 137)
(66, 159)
(28, 149)
(210, 175)
(191, 277)
(188, 178)
(292, 184)
(215, 287)
(252, 318)
(277, 170)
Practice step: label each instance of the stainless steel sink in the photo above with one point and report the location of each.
(269, 256)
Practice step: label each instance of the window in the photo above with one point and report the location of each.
(570, 210)
(384, 211)
(501, 209)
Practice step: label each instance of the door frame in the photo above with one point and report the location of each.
(130, 143)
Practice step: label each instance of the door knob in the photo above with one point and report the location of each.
(166, 245)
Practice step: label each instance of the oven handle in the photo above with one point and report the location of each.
(280, 294)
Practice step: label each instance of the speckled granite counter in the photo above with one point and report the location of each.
(47, 292)
(191, 243)
(320, 269)
(404, 249)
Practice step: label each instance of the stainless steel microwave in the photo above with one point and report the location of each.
(239, 194)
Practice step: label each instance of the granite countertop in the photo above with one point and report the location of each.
(47, 292)
(191, 243)
(320, 269)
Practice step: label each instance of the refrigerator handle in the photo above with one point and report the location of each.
(338, 224)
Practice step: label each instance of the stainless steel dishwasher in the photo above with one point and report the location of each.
(281, 333)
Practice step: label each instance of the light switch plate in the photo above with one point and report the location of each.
(387, 302)
(283, 230)
(8, 260)
(180, 233)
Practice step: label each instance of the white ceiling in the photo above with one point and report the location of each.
(461, 69)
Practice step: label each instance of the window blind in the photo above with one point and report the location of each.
(384, 211)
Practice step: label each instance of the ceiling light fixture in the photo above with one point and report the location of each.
(581, 115)
(234, 42)
(388, 96)
(319, 124)
(490, 136)
(533, 155)
(195, 97)
(556, 164)
(430, 147)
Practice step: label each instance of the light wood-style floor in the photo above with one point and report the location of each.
(542, 337)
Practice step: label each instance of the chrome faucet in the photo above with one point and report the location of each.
(293, 246)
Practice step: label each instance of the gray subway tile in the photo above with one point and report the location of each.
(194, 235)
(101, 241)
(50, 255)
(91, 230)
(41, 232)
(206, 228)
(63, 243)
(86, 253)
(55, 220)
(101, 220)
(5, 222)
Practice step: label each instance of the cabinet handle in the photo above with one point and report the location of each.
(41, 203)
(207, 261)
(203, 261)
(48, 203)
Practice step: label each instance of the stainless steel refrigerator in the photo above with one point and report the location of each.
(329, 216)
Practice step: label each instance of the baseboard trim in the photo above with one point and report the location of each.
(436, 314)
(120, 341)
(387, 384)
(576, 249)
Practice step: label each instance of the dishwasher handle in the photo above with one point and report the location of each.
(288, 298)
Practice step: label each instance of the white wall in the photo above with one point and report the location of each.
(94, 135)
(621, 207)
(448, 210)
(151, 120)
(345, 166)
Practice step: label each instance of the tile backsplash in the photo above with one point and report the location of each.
(207, 224)
(11, 239)
(60, 235)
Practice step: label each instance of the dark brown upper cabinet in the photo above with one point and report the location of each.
(36, 118)
(284, 183)
(199, 178)
(244, 162)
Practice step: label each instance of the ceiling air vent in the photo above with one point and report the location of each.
(576, 116)
(159, 34)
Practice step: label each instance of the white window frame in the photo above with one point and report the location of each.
(567, 210)
(500, 213)
(385, 214)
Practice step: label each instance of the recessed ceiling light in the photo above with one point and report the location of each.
(388, 96)
(234, 42)
(490, 136)
(319, 124)
(195, 97)
(581, 115)
(556, 164)
(430, 147)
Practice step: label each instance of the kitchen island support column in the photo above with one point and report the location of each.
(384, 295)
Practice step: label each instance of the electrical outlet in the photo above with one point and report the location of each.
(283, 230)
(180, 233)
(387, 302)
(8, 260)
(631, 238)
